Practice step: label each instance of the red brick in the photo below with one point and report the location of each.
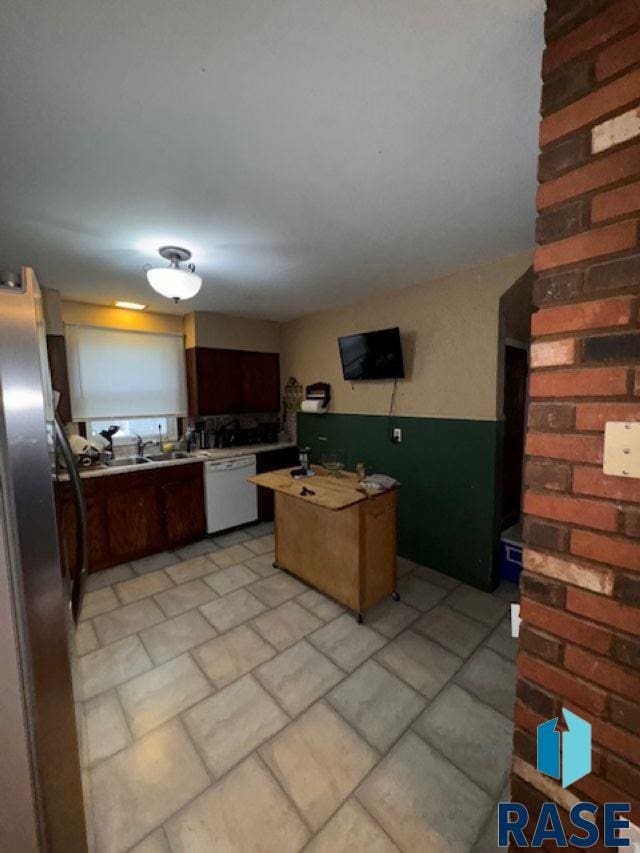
(553, 353)
(618, 56)
(631, 523)
(602, 672)
(553, 537)
(576, 448)
(605, 100)
(580, 316)
(590, 244)
(541, 645)
(567, 85)
(595, 514)
(616, 202)
(604, 610)
(586, 695)
(621, 164)
(618, 275)
(606, 549)
(607, 348)
(546, 474)
(593, 33)
(524, 745)
(535, 699)
(593, 416)
(626, 650)
(588, 382)
(613, 738)
(600, 792)
(564, 15)
(557, 287)
(560, 222)
(525, 718)
(622, 774)
(567, 154)
(625, 714)
(544, 590)
(564, 625)
(627, 589)
(591, 481)
(552, 417)
(587, 576)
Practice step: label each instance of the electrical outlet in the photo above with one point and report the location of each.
(397, 435)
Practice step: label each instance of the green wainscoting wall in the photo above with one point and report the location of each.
(450, 475)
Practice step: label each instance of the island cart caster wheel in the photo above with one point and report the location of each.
(395, 596)
(359, 618)
(275, 565)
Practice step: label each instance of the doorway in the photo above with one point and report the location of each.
(516, 369)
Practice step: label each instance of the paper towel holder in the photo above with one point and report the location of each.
(319, 393)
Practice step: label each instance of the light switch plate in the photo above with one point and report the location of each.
(622, 449)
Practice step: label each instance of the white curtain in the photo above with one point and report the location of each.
(115, 373)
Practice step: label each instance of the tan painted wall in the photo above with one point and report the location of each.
(210, 329)
(120, 318)
(449, 329)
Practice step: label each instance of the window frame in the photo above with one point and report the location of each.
(172, 429)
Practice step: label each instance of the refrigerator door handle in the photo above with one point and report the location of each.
(79, 577)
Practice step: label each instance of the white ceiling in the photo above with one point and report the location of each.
(307, 151)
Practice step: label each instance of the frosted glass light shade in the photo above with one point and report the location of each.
(173, 283)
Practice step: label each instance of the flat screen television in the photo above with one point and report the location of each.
(372, 355)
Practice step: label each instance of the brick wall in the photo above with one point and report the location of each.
(580, 638)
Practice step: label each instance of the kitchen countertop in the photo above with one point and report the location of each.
(323, 490)
(196, 456)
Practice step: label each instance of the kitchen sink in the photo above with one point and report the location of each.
(162, 457)
(127, 460)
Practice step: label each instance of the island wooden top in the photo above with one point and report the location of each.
(329, 492)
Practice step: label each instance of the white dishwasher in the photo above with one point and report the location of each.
(230, 499)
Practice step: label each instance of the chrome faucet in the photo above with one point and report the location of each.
(142, 444)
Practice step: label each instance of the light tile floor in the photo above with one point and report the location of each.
(229, 708)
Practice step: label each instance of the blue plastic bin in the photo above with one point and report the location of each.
(510, 556)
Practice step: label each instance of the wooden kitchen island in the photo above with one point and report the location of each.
(335, 538)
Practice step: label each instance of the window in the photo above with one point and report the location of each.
(146, 428)
(117, 375)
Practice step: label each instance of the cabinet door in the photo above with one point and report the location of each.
(134, 520)
(261, 382)
(97, 533)
(215, 381)
(184, 516)
(272, 460)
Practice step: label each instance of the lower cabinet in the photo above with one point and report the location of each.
(272, 460)
(133, 515)
(183, 510)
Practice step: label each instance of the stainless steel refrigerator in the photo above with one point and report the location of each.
(41, 806)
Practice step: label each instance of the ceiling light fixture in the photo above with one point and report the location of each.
(171, 281)
(132, 306)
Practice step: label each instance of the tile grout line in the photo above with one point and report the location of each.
(322, 698)
(289, 799)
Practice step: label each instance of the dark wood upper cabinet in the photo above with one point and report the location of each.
(261, 381)
(227, 382)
